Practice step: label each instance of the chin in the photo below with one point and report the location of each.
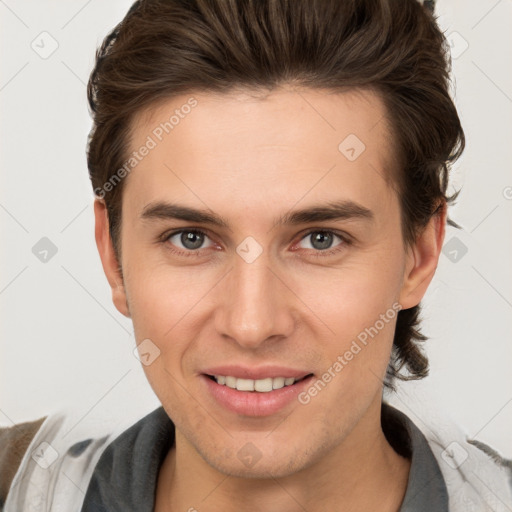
(251, 462)
(270, 469)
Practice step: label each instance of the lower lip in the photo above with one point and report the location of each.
(254, 403)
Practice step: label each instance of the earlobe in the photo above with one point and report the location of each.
(422, 259)
(108, 258)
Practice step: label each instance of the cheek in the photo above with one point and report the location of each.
(356, 359)
(159, 293)
(351, 298)
(169, 306)
(162, 302)
(360, 307)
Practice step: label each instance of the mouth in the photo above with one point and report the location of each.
(255, 397)
(256, 385)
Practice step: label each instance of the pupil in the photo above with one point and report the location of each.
(324, 240)
(191, 240)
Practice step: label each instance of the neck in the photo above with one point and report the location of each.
(362, 473)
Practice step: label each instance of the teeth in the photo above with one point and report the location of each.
(231, 382)
(260, 385)
(245, 385)
(264, 385)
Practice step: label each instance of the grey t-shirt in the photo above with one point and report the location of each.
(126, 474)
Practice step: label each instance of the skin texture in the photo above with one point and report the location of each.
(251, 159)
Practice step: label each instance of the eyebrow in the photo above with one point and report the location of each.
(336, 210)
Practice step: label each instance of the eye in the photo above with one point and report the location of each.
(191, 242)
(322, 241)
(188, 239)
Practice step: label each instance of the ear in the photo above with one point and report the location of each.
(422, 259)
(109, 261)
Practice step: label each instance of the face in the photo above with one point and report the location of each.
(261, 240)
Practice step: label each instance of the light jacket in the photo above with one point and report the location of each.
(57, 463)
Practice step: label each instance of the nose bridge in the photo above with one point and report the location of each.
(255, 308)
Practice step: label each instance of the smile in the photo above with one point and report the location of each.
(254, 397)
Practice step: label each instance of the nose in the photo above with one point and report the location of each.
(255, 306)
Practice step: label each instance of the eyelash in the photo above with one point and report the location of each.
(346, 241)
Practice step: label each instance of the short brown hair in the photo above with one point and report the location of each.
(163, 48)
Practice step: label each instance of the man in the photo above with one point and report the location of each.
(270, 182)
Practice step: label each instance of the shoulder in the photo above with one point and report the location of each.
(477, 477)
(48, 463)
(48, 460)
(14, 442)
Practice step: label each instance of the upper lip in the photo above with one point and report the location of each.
(262, 372)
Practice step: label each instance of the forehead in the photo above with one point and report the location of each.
(284, 145)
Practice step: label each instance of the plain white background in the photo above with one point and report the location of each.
(62, 341)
